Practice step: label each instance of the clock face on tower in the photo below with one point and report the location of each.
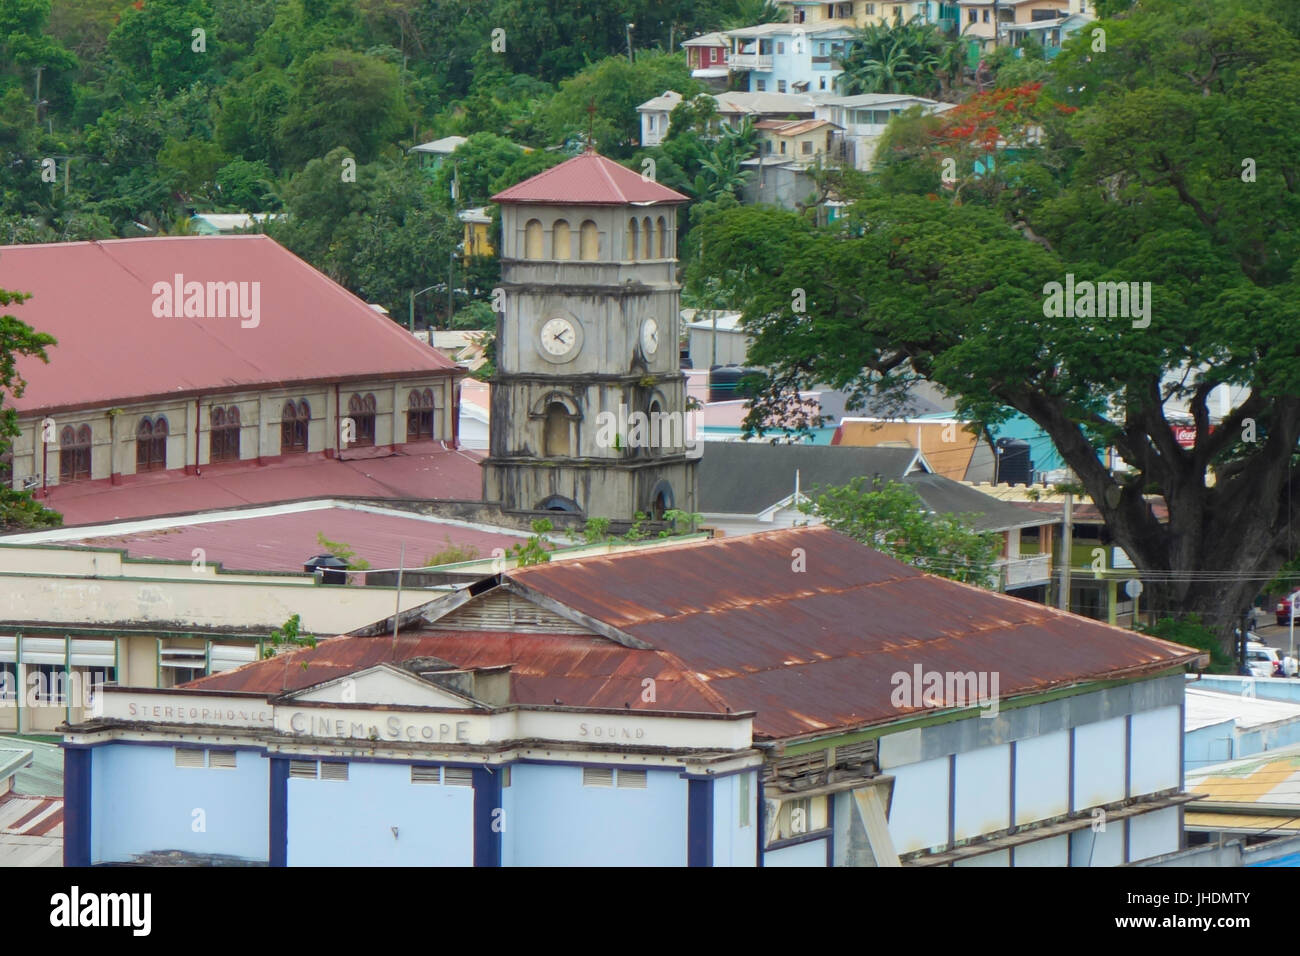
(649, 338)
(560, 337)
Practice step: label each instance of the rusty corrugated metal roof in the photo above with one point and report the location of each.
(575, 669)
(735, 625)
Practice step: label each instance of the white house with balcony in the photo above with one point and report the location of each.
(788, 58)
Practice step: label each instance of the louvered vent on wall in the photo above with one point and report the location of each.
(597, 777)
(503, 611)
(221, 759)
(458, 777)
(303, 769)
(333, 771)
(632, 779)
(426, 775)
(189, 757)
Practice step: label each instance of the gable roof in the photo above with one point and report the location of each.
(741, 101)
(732, 625)
(97, 299)
(589, 180)
(706, 39)
(945, 496)
(445, 146)
(747, 478)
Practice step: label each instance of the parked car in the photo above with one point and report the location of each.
(1284, 609)
(1265, 661)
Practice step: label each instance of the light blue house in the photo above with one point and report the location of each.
(788, 58)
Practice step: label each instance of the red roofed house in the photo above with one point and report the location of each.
(199, 353)
(586, 343)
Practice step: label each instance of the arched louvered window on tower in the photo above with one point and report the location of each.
(588, 242)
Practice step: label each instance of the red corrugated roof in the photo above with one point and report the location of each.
(97, 299)
(575, 669)
(589, 180)
(283, 542)
(429, 474)
(741, 628)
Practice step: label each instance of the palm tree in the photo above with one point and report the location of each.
(903, 58)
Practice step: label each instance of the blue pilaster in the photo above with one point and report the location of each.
(488, 822)
(77, 763)
(278, 851)
(699, 823)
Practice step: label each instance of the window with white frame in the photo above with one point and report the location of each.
(800, 816)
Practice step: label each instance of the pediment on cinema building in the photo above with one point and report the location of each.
(424, 682)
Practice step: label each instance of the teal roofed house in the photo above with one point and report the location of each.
(1050, 33)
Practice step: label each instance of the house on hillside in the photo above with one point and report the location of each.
(788, 58)
(1049, 34)
(188, 355)
(432, 155)
(655, 114)
(706, 56)
(862, 119)
(803, 142)
(977, 15)
(613, 712)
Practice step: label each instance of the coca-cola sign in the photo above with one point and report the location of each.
(1185, 435)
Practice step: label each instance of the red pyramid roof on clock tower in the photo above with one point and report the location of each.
(589, 180)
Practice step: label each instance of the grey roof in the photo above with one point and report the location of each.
(945, 496)
(749, 477)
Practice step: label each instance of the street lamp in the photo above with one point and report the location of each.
(630, 27)
(410, 322)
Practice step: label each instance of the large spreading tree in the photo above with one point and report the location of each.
(1161, 151)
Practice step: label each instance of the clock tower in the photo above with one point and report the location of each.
(589, 401)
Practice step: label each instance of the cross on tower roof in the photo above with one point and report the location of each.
(591, 120)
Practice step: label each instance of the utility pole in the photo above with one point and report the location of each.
(995, 24)
(1067, 547)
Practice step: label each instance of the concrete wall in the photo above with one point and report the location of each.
(142, 802)
(350, 822)
(556, 821)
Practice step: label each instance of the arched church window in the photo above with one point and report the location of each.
(151, 444)
(663, 238)
(648, 249)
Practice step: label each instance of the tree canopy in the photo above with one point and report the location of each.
(1166, 164)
